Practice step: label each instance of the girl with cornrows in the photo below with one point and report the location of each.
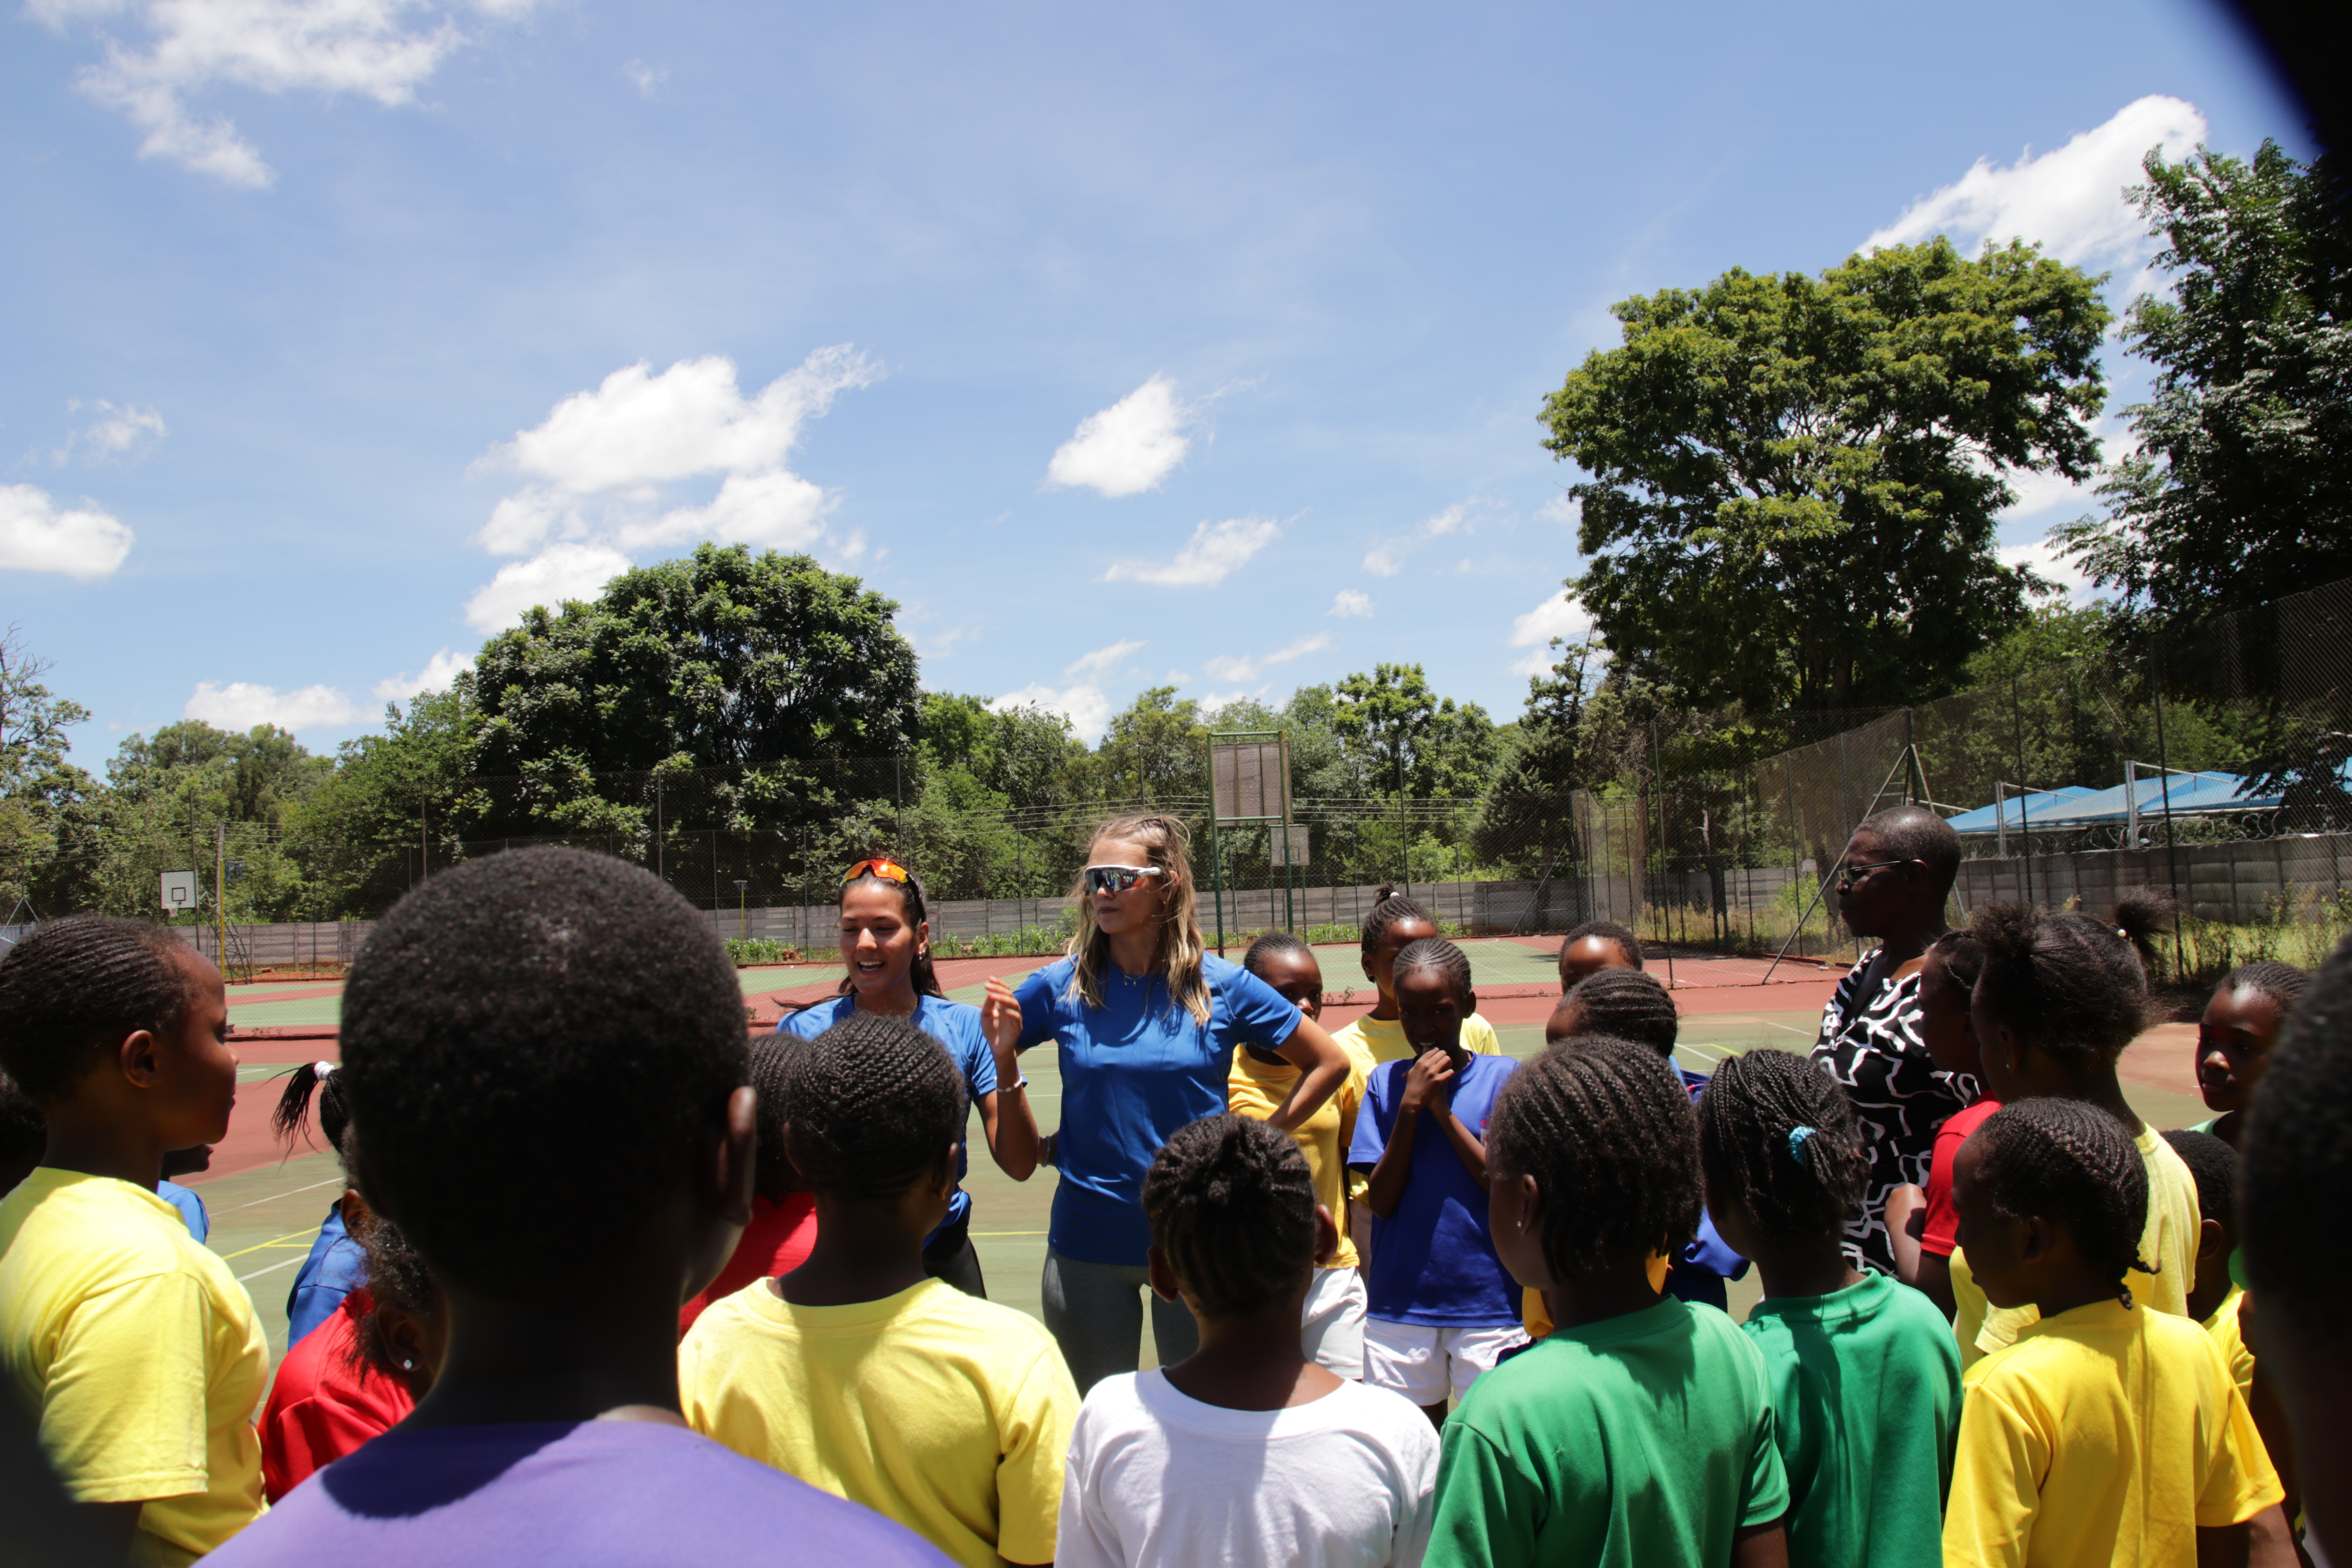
(886, 946)
(1145, 1021)
(2106, 1433)
(1865, 1376)
(2059, 998)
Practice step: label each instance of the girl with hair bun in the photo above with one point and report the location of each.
(2059, 996)
(885, 949)
(1144, 1020)
(336, 1264)
(1866, 1378)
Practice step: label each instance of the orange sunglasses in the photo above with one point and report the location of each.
(889, 870)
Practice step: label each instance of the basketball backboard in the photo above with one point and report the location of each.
(179, 891)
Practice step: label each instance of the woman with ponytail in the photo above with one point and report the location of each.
(337, 1262)
(1146, 1020)
(886, 946)
(2059, 996)
(1864, 1375)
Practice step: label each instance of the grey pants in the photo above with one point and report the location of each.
(1093, 1309)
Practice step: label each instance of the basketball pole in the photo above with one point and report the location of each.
(220, 894)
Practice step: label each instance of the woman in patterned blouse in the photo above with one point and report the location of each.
(1898, 871)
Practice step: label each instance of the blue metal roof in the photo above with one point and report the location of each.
(2189, 795)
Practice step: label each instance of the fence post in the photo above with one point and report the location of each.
(2024, 828)
(2171, 855)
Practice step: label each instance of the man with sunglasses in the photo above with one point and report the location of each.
(1893, 883)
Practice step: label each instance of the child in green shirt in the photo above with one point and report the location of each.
(1640, 1430)
(1864, 1374)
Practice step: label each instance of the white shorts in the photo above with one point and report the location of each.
(1331, 1329)
(1424, 1364)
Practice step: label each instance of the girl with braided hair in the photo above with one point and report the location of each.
(1146, 1022)
(2060, 996)
(1439, 1308)
(133, 1342)
(1925, 1226)
(1640, 1429)
(2105, 1432)
(859, 1371)
(1866, 1378)
(1246, 1452)
(2234, 1040)
(886, 954)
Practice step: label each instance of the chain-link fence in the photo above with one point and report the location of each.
(2212, 765)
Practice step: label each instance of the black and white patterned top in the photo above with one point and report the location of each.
(1872, 1046)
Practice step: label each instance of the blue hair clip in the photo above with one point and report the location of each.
(1797, 1138)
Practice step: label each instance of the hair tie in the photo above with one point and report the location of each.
(1798, 1136)
(321, 1068)
(2122, 934)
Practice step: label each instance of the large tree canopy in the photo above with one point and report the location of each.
(2241, 489)
(1794, 480)
(767, 664)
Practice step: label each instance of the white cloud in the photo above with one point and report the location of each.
(2042, 555)
(1214, 552)
(1228, 668)
(1217, 702)
(440, 672)
(1350, 604)
(558, 572)
(115, 433)
(1558, 616)
(1129, 447)
(1083, 702)
(241, 705)
(603, 463)
(2070, 199)
(1386, 558)
(648, 79)
(38, 535)
(1095, 665)
(381, 50)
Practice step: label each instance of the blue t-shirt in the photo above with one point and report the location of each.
(1133, 1071)
(956, 1027)
(1434, 1263)
(191, 1207)
(1698, 1276)
(335, 1267)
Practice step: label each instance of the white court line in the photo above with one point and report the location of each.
(1792, 1028)
(271, 1270)
(314, 1186)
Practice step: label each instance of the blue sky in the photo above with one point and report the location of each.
(1121, 344)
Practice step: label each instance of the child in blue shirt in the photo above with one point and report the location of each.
(1440, 1308)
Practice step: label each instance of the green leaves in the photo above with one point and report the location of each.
(1793, 481)
(2242, 489)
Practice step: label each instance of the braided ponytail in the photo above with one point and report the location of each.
(1778, 1136)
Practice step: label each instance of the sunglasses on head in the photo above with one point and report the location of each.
(889, 870)
(1116, 879)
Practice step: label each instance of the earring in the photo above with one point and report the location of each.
(407, 1365)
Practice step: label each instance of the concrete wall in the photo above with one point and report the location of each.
(2244, 882)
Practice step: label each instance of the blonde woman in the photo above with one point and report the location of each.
(1147, 1021)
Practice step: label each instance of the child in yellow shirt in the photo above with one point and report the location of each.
(858, 1371)
(2104, 1432)
(2059, 996)
(1332, 1327)
(132, 1343)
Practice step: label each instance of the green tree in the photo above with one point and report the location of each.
(768, 665)
(2241, 490)
(1411, 740)
(1523, 820)
(2051, 635)
(1794, 480)
(1156, 752)
(48, 815)
(389, 793)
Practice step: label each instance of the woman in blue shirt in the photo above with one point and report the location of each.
(885, 945)
(1146, 1021)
